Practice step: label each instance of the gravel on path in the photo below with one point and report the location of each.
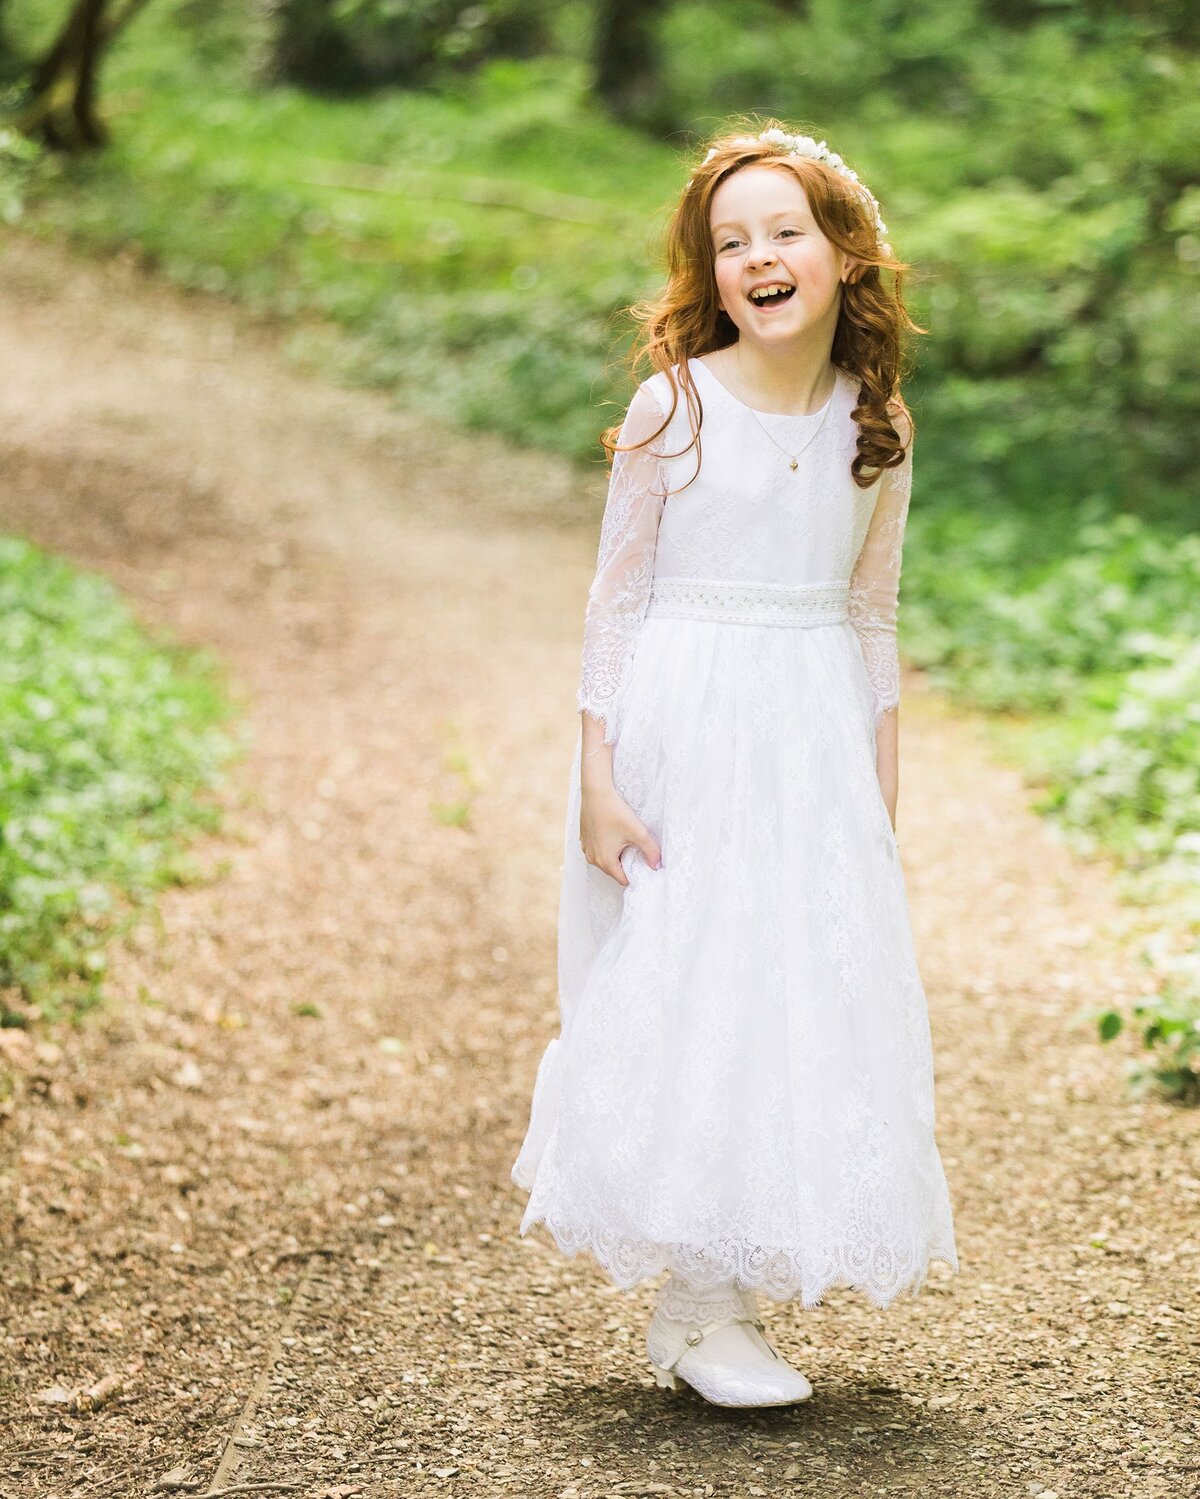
(285, 1240)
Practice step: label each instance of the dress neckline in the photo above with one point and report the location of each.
(779, 416)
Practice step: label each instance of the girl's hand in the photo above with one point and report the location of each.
(608, 824)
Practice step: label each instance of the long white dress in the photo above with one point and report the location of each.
(742, 1086)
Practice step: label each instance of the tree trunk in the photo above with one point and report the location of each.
(61, 108)
(9, 67)
(308, 48)
(626, 57)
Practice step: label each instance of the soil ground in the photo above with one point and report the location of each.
(287, 1239)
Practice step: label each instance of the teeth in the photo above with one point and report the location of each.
(760, 292)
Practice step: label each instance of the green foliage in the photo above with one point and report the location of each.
(1090, 636)
(18, 160)
(1168, 1027)
(456, 239)
(1139, 785)
(112, 746)
(356, 44)
(1042, 177)
(457, 813)
(477, 240)
(1015, 613)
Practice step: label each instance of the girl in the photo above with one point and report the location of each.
(742, 1089)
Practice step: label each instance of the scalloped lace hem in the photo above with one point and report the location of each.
(776, 1274)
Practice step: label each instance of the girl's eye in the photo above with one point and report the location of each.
(730, 242)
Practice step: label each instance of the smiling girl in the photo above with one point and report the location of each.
(742, 1090)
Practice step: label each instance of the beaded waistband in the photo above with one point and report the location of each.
(749, 603)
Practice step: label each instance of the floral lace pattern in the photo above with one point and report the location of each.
(742, 1087)
(875, 585)
(682, 1302)
(730, 525)
(625, 561)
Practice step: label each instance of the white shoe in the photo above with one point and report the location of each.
(719, 1347)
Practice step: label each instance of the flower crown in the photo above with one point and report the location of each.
(804, 145)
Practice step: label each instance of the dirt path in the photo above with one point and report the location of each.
(294, 1237)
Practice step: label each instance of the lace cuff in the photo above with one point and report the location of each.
(682, 1302)
(877, 640)
(620, 589)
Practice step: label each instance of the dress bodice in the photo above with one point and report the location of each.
(748, 516)
(746, 520)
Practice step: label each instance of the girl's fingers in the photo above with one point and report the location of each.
(651, 851)
(641, 839)
(610, 867)
(644, 840)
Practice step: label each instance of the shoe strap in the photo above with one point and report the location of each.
(704, 1329)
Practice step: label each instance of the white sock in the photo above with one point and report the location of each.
(683, 1300)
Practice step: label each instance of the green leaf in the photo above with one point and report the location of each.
(1110, 1025)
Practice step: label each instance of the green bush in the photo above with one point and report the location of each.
(1138, 787)
(1168, 1027)
(361, 44)
(1012, 613)
(18, 158)
(113, 746)
(1090, 640)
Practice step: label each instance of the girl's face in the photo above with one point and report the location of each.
(763, 234)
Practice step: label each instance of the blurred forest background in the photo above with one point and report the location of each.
(472, 194)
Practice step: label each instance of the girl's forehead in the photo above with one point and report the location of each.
(756, 192)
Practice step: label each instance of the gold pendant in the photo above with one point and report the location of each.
(795, 464)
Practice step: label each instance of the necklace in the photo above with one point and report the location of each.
(793, 458)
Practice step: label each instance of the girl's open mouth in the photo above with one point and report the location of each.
(775, 296)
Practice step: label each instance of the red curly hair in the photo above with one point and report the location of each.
(685, 319)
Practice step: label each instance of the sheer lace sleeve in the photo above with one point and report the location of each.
(625, 563)
(875, 584)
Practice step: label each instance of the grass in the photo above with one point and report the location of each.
(114, 749)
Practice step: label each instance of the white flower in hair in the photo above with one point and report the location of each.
(813, 150)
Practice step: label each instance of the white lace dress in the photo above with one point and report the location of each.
(742, 1087)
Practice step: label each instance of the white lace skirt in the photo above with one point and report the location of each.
(742, 1087)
